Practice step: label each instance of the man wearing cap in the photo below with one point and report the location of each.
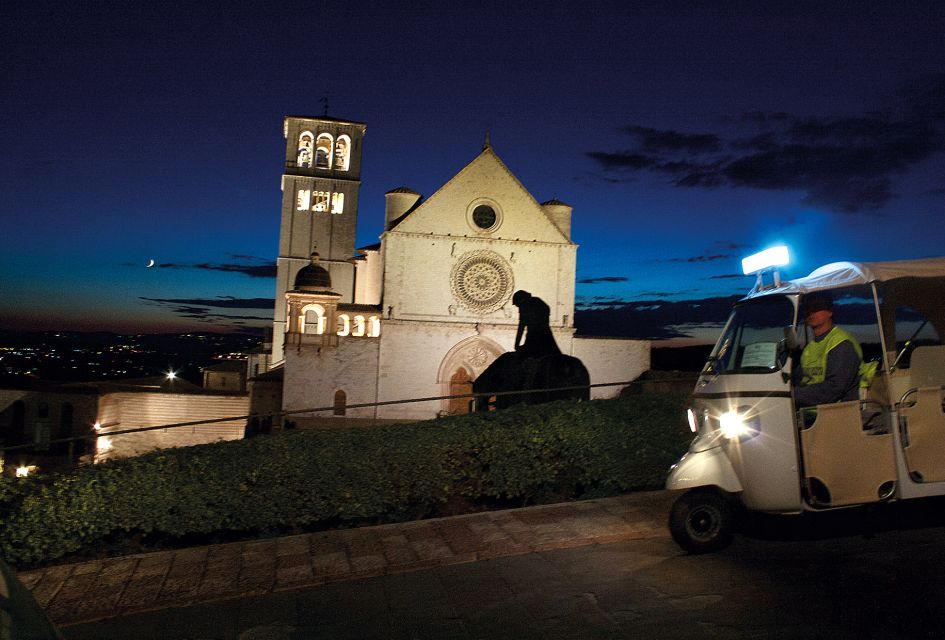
(830, 363)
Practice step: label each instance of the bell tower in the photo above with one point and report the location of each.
(320, 185)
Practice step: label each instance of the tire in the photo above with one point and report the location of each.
(702, 521)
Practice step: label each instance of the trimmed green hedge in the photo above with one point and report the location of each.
(297, 479)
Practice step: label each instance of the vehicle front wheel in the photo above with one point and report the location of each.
(702, 521)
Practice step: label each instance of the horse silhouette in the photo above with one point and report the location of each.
(535, 377)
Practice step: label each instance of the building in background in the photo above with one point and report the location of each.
(425, 311)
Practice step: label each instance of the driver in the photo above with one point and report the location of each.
(831, 363)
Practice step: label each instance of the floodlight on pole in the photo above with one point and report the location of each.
(767, 260)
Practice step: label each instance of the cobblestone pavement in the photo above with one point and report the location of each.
(88, 591)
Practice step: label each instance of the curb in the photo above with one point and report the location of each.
(90, 591)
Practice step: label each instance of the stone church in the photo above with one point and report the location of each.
(425, 311)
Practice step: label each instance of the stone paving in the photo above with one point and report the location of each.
(100, 589)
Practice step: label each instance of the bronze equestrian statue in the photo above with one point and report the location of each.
(535, 365)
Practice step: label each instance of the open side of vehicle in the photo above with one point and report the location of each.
(755, 449)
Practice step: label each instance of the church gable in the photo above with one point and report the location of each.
(483, 200)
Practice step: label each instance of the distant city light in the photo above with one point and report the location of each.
(773, 257)
(171, 375)
(23, 472)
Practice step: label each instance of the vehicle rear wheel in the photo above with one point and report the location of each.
(702, 521)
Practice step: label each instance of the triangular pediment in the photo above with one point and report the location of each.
(484, 181)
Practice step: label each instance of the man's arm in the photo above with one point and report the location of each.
(843, 374)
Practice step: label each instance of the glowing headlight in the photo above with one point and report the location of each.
(692, 420)
(735, 424)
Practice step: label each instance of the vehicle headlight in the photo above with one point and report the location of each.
(738, 425)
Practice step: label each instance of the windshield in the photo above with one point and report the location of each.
(752, 339)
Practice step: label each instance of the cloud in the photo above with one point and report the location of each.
(843, 164)
(654, 140)
(703, 258)
(603, 279)
(246, 265)
(201, 308)
(225, 302)
(654, 319)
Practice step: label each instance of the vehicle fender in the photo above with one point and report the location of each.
(702, 468)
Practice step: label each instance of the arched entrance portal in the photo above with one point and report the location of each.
(461, 365)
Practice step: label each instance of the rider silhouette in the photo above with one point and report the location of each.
(534, 321)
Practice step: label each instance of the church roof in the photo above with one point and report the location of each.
(555, 202)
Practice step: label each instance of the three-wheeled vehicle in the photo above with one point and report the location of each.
(755, 449)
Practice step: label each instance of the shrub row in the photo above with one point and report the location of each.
(303, 478)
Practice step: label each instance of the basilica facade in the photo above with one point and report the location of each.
(422, 313)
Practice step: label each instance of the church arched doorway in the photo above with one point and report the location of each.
(460, 383)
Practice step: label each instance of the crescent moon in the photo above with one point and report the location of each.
(150, 263)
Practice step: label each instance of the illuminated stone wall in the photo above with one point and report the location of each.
(129, 410)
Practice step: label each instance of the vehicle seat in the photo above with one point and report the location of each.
(925, 424)
(853, 465)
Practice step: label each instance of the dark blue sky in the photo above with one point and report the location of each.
(685, 135)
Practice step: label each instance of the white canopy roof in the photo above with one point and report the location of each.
(845, 274)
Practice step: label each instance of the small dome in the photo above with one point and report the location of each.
(554, 202)
(313, 277)
(403, 190)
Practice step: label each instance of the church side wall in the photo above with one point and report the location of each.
(612, 360)
(313, 375)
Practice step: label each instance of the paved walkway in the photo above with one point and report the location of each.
(101, 589)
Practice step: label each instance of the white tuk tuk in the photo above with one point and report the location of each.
(755, 449)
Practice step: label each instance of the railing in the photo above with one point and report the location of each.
(282, 414)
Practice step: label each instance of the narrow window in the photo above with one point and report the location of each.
(342, 152)
(320, 201)
(302, 202)
(323, 151)
(341, 402)
(337, 202)
(306, 143)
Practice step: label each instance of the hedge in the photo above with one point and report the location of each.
(343, 477)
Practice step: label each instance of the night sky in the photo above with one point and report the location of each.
(684, 138)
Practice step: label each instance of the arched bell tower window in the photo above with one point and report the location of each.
(342, 152)
(313, 319)
(359, 326)
(323, 147)
(344, 325)
(374, 327)
(306, 149)
(341, 403)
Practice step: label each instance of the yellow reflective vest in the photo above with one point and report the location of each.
(814, 358)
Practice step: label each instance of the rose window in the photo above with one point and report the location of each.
(481, 281)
